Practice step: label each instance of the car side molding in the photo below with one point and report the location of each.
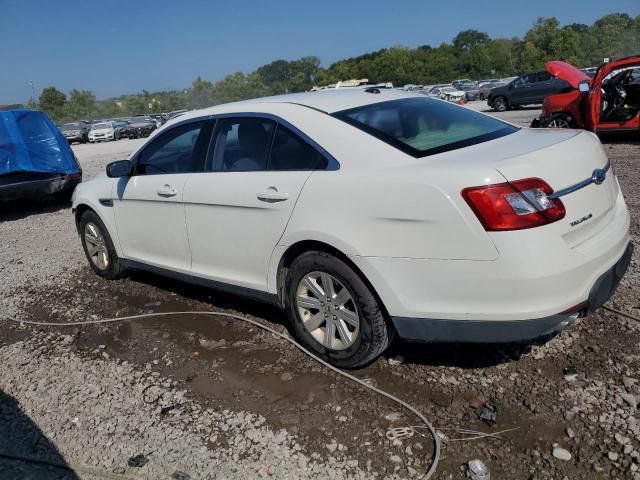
(270, 298)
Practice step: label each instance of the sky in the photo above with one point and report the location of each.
(121, 47)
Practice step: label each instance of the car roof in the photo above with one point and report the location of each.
(327, 101)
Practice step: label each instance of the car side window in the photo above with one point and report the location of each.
(179, 150)
(543, 77)
(241, 144)
(523, 80)
(290, 152)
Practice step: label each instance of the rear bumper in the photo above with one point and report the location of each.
(26, 186)
(499, 331)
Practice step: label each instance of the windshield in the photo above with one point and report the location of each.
(141, 120)
(99, 126)
(425, 126)
(71, 126)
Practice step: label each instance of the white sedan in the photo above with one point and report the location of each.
(367, 213)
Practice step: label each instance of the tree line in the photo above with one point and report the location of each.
(471, 54)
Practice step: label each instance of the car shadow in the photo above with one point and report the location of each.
(216, 298)
(19, 209)
(462, 355)
(612, 138)
(21, 437)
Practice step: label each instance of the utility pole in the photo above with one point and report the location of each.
(33, 92)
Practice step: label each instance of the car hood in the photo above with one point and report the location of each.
(567, 72)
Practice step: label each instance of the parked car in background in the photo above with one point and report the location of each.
(485, 89)
(608, 102)
(159, 118)
(140, 126)
(455, 83)
(102, 131)
(529, 89)
(35, 157)
(448, 93)
(229, 197)
(120, 127)
(471, 91)
(76, 131)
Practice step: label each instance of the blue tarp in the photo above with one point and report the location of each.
(31, 142)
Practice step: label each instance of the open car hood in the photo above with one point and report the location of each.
(567, 72)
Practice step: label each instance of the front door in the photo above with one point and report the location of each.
(148, 207)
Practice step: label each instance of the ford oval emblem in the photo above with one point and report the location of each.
(598, 176)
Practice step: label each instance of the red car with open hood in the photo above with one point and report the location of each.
(610, 101)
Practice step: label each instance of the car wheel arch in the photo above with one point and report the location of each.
(303, 246)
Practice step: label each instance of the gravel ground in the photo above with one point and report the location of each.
(234, 402)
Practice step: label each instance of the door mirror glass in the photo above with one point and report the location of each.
(120, 168)
(583, 87)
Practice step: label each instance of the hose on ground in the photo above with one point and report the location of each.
(621, 313)
(436, 439)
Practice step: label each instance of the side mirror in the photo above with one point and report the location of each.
(583, 86)
(120, 168)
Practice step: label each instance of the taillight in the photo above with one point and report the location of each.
(514, 205)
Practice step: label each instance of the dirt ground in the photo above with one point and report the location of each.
(577, 391)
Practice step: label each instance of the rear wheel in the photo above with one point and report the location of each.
(500, 104)
(99, 248)
(333, 312)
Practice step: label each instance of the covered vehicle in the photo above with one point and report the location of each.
(608, 102)
(35, 157)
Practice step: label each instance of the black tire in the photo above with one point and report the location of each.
(375, 333)
(559, 120)
(500, 104)
(115, 268)
(482, 96)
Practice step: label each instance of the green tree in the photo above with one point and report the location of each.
(468, 39)
(80, 106)
(52, 102)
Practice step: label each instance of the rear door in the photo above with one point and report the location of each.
(148, 207)
(237, 211)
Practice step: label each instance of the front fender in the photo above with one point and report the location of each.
(88, 195)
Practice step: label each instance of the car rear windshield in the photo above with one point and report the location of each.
(425, 126)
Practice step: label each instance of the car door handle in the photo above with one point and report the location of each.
(272, 195)
(167, 191)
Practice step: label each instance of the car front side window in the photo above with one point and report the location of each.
(179, 150)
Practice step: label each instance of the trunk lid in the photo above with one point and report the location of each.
(566, 159)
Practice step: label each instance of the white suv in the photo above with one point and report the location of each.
(369, 212)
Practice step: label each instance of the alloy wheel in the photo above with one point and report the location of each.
(558, 123)
(327, 310)
(96, 246)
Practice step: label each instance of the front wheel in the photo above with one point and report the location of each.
(500, 104)
(99, 248)
(333, 312)
(559, 120)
